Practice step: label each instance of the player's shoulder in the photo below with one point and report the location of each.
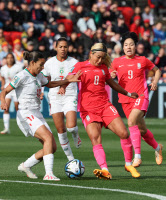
(120, 59)
(137, 57)
(71, 59)
(51, 60)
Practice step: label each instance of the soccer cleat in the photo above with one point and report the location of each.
(77, 140)
(133, 171)
(102, 174)
(50, 177)
(136, 162)
(158, 154)
(27, 170)
(5, 131)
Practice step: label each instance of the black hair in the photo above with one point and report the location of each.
(61, 39)
(131, 35)
(32, 56)
(14, 61)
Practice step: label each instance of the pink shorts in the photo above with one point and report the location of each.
(141, 103)
(106, 116)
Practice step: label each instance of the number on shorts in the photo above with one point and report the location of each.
(113, 109)
(130, 74)
(137, 102)
(96, 80)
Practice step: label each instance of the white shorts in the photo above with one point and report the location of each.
(29, 121)
(64, 104)
(12, 95)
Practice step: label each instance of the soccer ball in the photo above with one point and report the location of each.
(74, 168)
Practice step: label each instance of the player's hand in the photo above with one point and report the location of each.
(4, 106)
(113, 74)
(41, 96)
(62, 91)
(75, 77)
(153, 86)
(134, 95)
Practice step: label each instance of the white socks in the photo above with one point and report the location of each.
(158, 148)
(73, 130)
(63, 139)
(6, 119)
(128, 163)
(48, 163)
(30, 162)
(138, 156)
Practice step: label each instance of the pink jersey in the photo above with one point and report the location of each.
(92, 94)
(132, 75)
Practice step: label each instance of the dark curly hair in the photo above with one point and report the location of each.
(131, 35)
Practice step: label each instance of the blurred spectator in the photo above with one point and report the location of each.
(48, 39)
(60, 31)
(3, 62)
(79, 13)
(157, 4)
(141, 50)
(80, 53)
(32, 35)
(86, 22)
(155, 46)
(71, 51)
(147, 14)
(96, 15)
(158, 32)
(42, 49)
(30, 46)
(25, 15)
(164, 78)
(146, 42)
(24, 39)
(114, 12)
(137, 12)
(120, 26)
(163, 44)
(116, 39)
(135, 26)
(4, 52)
(109, 4)
(64, 8)
(74, 40)
(160, 60)
(117, 52)
(2, 38)
(99, 36)
(101, 2)
(109, 31)
(17, 51)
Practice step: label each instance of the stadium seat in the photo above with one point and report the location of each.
(11, 36)
(68, 25)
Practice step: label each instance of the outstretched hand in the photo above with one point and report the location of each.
(113, 74)
(4, 106)
(75, 77)
(61, 91)
(153, 86)
(134, 95)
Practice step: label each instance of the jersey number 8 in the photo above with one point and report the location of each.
(96, 80)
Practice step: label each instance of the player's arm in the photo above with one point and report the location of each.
(157, 76)
(69, 79)
(2, 82)
(115, 86)
(3, 94)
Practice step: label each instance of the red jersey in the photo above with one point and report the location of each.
(132, 75)
(93, 96)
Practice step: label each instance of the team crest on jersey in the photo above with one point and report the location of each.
(103, 72)
(138, 65)
(16, 79)
(61, 71)
(87, 117)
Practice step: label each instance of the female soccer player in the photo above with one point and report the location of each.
(96, 109)
(131, 70)
(27, 85)
(8, 72)
(58, 68)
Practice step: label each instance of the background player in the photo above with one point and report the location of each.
(27, 85)
(131, 71)
(96, 110)
(8, 72)
(57, 68)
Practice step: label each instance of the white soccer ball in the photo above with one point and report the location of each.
(74, 168)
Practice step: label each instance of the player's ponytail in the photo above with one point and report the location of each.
(32, 56)
(101, 47)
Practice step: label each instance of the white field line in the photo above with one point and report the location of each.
(155, 196)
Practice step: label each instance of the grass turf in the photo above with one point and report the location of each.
(15, 148)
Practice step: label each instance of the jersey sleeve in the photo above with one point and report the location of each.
(75, 69)
(44, 80)
(107, 74)
(45, 71)
(149, 64)
(17, 81)
(113, 65)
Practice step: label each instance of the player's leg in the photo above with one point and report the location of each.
(58, 119)
(71, 124)
(6, 118)
(118, 127)
(94, 132)
(135, 116)
(148, 137)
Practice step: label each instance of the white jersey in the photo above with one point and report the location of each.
(58, 70)
(28, 89)
(9, 72)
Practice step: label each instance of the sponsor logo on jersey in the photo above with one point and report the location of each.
(121, 65)
(16, 79)
(138, 65)
(87, 117)
(103, 72)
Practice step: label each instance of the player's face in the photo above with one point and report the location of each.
(10, 60)
(97, 58)
(62, 49)
(39, 65)
(129, 47)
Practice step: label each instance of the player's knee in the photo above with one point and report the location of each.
(143, 132)
(131, 123)
(73, 130)
(124, 134)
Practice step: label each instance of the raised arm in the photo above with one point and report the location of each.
(115, 86)
(3, 94)
(156, 78)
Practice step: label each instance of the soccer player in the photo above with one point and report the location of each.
(131, 71)
(8, 71)
(96, 109)
(27, 85)
(57, 68)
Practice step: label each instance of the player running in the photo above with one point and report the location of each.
(27, 85)
(96, 109)
(8, 72)
(57, 68)
(131, 72)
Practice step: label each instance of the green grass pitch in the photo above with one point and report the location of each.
(15, 148)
